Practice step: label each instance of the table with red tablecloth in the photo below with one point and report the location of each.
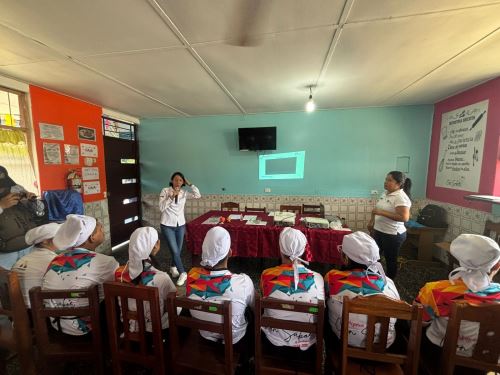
(259, 241)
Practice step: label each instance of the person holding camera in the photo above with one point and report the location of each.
(18, 211)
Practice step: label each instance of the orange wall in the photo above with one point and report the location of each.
(57, 109)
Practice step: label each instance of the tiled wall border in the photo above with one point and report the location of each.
(99, 210)
(356, 211)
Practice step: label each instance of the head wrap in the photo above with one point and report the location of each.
(142, 242)
(292, 244)
(476, 255)
(5, 180)
(362, 249)
(215, 246)
(41, 233)
(74, 231)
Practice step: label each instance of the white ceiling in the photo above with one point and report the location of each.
(163, 58)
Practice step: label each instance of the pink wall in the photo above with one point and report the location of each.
(490, 173)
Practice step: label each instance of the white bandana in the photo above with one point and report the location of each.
(43, 232)
(476, 255)
(293, 244)
(74, 231)
(363, 249)
(142, 242)
(215, 246)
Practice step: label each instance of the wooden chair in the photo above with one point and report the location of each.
(491, 229)
(15, 331)
(255, 209)
(487, 350)
(268, 363)
(194, 353)
(317, 210)
(138, 347)
(291, 208)
(229, 206)
(55, 346)
(379, 309)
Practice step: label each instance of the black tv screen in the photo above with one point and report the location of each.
(254, 139)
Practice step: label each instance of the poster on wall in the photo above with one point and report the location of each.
(87, 134)
(51, 153)
(50, 131)
(461, 146)
(71, 154)
(91, 187)
(88, 150)
(90, 173)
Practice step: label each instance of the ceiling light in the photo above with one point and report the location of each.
(310, 105)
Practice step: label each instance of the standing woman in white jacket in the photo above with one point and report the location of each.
(173, 223)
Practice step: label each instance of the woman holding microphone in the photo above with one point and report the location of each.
(173, 222)
(388, 217)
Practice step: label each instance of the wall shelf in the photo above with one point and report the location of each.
(483, 198)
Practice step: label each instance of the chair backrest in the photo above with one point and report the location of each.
(492, 230)
(54, 344)
(317, 210)
(127, 326)
(291, 208)
(12, 304)
(380, 309)
(229, 206)
(255, 209)
(316, 327)
(176, 321)
(486, 352)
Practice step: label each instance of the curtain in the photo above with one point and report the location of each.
(14, 156)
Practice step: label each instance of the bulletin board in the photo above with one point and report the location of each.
(68, 136)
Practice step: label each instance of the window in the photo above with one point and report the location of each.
(118, 129)
(15, 139)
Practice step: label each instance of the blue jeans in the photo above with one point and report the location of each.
(389, 245)
(175, 238)
(7, 260)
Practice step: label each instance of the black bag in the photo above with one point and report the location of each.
(433, 216)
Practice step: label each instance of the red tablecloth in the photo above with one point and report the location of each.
(262, 241)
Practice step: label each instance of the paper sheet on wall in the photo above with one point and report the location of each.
(88, 150)
(71, 154)
(461, 147)
(50, 131)
(51, 153)
(90, 173)
(91, 187)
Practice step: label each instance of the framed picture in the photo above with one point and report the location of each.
(87, 134)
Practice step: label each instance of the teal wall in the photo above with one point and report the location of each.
(348, 151)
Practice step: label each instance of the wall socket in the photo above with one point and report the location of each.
(267, 190)
(374, 192)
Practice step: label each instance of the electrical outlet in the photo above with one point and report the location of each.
(267, 190)
(374, 192)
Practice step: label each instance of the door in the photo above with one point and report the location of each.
(122, 178)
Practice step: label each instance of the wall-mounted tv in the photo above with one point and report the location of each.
(255, 139)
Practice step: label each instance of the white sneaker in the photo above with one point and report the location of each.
(174, 272)
(182, 279)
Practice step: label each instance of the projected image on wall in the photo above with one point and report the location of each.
(284, 166)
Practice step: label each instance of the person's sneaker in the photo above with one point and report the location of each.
(174, 272)
(182, 279)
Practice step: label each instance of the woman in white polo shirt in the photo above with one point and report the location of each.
(173, 222)
(388, 217)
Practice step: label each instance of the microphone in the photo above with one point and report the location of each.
(176, 199)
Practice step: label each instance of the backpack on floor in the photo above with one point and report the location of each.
(433, 216)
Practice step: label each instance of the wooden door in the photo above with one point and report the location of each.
(122, 178)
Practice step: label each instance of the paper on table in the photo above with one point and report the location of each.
(235, 217)
(256, 222)
(212, 220)
(249, 217)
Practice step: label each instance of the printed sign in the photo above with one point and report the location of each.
(461, 147)
(88, 150)
(90, 173)
(49, 131)
(51, 153)
(85, 133)
(91, 187)
(71, 154)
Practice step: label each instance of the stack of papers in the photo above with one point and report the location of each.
(212, 220)
(256, 222)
